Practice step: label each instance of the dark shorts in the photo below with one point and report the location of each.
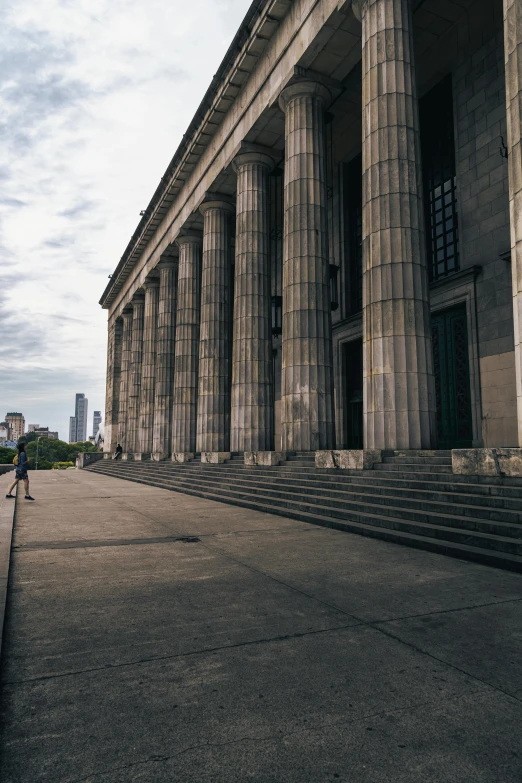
(21, 475)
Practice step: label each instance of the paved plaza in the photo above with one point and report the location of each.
(153, 636)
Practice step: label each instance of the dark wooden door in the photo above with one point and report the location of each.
(451, 367)
(353, 395)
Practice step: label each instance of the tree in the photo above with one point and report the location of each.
(28, 437)
(6, 455)
(51, 451)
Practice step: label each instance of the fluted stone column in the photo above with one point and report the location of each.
(307, 377)
(213, 432)
(112, 393)
(162, 439)
(398, 397)
(252, 413)
(133, 409)
(148, 368)
(186, 352)
(513, 58)
(124, 378)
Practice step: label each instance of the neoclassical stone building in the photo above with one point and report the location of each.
(333, 258)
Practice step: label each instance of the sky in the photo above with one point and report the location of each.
(95, 96)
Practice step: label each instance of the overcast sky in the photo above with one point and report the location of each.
(95, 96)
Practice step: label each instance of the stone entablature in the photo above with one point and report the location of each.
(294, 36)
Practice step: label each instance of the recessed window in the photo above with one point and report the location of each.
(353, 235)
(439, 177)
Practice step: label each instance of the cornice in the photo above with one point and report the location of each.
(258, 27)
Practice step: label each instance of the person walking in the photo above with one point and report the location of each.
(21, 473)
(118, 452)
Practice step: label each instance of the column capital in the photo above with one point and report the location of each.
(151, 282)
(254, 153)
(190, 237)
(138, 298)
(217, 201)
(304, 88)
(126, 313)
(170, 262)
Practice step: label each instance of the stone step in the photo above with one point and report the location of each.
(414, 467)
(471, 518)
(419, 453)
(483, 486)
(435, 502)
(481, 547)
(362, 484)
(416, 460)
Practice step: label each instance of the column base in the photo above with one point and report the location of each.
(182, 456)
(348, 459)
(142, 456)
(127, 456)
(487, 462)
(265, 458)
(159, 456)
(214, 457)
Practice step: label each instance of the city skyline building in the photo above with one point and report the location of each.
(78, 422)
(45, 432)
(15, 425)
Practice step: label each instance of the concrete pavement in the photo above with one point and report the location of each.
(155, 637)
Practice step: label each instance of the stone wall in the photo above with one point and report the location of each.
(482, 174)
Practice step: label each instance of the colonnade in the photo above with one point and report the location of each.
(191, 370)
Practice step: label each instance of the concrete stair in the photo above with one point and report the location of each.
(411, 498)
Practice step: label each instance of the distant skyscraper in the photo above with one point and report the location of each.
(72, 429)
(96, 421)
(16, 425)
(78, 422)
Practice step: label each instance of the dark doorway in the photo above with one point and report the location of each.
(452, 389)
(352, 363)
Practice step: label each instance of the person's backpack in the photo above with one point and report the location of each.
(15, 460)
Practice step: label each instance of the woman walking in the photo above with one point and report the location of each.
(21, 473)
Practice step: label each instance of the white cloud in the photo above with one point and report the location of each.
(95, 96)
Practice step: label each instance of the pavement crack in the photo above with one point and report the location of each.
(190, 653)
(376, 625)
(459, 669)
(280, 736)
(454, 609)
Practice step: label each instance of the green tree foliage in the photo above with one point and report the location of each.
(51, 451)
(28, 437)
(6, 455)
